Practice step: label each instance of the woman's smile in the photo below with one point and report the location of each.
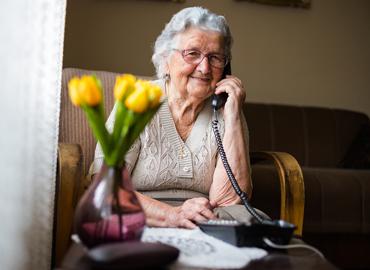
(202, 79)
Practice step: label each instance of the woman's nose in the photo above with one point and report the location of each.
(204, 66)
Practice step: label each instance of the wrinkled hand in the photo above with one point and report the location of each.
(233, 86)
(191, 211)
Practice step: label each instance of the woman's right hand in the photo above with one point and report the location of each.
(191, 211)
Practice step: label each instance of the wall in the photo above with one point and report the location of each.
(319, 56)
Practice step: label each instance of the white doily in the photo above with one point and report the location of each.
(198, 249)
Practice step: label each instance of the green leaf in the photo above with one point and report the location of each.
(119, 150)
(100, 132)
(120, 116)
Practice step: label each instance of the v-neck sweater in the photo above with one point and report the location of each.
(164, 166)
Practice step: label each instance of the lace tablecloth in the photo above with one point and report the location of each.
(198, 249)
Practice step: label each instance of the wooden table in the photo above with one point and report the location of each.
(301, 259)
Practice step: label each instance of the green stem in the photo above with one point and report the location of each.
(120, 116)
(101, 134)
(119, 148)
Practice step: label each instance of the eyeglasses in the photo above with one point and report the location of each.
(194, 57)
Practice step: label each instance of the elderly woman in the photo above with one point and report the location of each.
(174, 164)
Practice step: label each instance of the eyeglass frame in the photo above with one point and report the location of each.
(203, 55)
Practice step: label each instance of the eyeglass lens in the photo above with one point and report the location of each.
(195, 57)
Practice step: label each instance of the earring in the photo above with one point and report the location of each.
(166, 78)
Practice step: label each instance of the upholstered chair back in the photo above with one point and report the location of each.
(73, 126)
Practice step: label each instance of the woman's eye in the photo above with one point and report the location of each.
(216, 58)
(193, 53)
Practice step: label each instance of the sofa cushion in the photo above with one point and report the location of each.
(336, 201)
(358, 155)
(316, 137)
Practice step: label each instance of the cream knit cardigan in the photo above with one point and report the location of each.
(164, 166)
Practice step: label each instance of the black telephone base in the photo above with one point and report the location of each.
(242, 235)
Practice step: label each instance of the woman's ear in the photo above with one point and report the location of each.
(166, 68)
(166, 72)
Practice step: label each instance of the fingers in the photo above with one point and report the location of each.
(234, 104)
(192, 211)
(213, 204)
(202, 215)
(233, 86)
(231, 79)
(174, 218)
(207, 213)
(187, 224)
(180, 222)
(199, 218)
(198, 209)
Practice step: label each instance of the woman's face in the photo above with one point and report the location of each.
(191, 80)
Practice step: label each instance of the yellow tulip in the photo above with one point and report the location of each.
(138, 100)
(155, 93)
(124, 86)
(89, 90)
(73, 91)
(84, 90)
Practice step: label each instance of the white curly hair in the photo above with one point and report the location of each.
(181, 21)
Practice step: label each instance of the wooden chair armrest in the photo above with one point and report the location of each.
(68, 182)
(291, 185)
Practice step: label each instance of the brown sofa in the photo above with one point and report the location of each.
(333, 148)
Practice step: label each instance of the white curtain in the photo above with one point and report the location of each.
(31, 46)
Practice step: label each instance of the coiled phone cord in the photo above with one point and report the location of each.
(243, 196)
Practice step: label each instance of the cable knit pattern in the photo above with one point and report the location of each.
(161, 161)
(166, 162)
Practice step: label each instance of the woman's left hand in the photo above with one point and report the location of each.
(233, 86)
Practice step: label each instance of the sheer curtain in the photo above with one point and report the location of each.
(31, 49)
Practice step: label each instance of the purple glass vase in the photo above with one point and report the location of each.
(109, 210)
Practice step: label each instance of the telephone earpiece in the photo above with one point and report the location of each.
(219, 101)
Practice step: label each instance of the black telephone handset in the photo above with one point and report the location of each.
(233, 232)
(219, 101)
